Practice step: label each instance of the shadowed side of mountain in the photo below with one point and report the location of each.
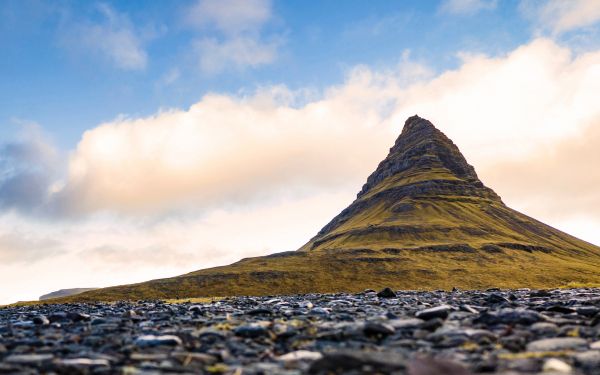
(423, 220)
(65, 293)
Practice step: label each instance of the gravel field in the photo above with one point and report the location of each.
(418, 333)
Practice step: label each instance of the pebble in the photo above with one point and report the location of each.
(557, 366)
(300, 355)
(589, 359)
(434, 312)
(514, 332)
(378, 329)
(251, 331)
(28, 358)
(40, 320)
(152, 340)
(556, 344)
(386, 293)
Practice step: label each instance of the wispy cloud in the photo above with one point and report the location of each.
(238, 52)
(17, 247)
(231, 34)
(113, 37)
(231, 17)
(467, 7)
(559, 16)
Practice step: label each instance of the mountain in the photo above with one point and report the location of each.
(423, 220)
(65, 293)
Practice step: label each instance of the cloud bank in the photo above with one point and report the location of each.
(234, 150)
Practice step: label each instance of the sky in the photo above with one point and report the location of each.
(147, 139)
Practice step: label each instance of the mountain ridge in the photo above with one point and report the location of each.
(422, 220)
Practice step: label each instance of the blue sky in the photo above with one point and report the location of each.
(68, 87)
(146, 139)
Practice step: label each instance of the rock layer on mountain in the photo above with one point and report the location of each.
(423, 220)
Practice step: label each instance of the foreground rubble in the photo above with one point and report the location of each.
(405, 332)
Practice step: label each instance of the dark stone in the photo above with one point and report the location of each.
(434, 312)
(261, 311)
(251, 331)
(561, 309)
(59, 316)
(386, 293)
(496, 298)
(358, 362)
(151, 340)
(378, 329)
(78, 317)
(40, 320)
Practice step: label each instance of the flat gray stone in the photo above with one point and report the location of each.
(556, 344)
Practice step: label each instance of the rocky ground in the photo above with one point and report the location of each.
(415, 333)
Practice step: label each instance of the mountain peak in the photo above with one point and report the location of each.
(422, 149)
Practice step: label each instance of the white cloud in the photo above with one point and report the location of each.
(560, 16)
(231, 34)
(115, 38)
(227, 150)
(223, 150)
(467, 7)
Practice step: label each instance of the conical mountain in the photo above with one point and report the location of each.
(423, 220)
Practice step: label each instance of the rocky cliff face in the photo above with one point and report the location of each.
(423, 220)
(420, 148)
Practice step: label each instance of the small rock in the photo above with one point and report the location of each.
(509, 316)
(543, 328)
(556, 344)
(306, 305)
(261, 311)
(151, 340)
(28, 358)
(84, 362)
(41, 320)
(58, 317)
(300, 355)
(78, 317)
(589, 359)
(406, 323)
(251, 331)
(434, 312)
(496, 298)
(378, 329)
(556, 366)
(561, 309)
(386, 293)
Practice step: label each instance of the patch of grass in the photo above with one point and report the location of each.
(199, 300)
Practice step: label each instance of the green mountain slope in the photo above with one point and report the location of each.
(423, 220)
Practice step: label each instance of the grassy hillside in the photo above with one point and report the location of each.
(423, 220)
